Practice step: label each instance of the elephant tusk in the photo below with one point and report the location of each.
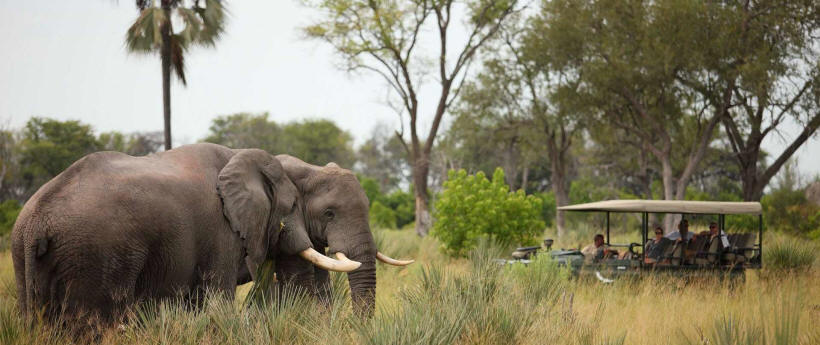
(342, 265)
(390, 261)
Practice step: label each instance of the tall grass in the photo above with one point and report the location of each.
(473, 300)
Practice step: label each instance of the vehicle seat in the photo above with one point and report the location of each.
(711, 252)
(745, 248)
(695, 247)
(660, 251)
(729, 255)
(675, 254)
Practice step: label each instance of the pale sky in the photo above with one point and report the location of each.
(67, 60)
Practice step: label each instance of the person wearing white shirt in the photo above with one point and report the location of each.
(682, 233)
(713, 232)
(597, 250)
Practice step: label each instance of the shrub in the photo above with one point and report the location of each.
(400, 204)
(788, 211)
(9, 210)
(548, 205)
(403, 203)
(471, 207)
(382, 216)
(371, 188)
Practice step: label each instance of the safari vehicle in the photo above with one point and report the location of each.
(736, 251)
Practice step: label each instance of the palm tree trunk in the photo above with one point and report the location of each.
(165, 56)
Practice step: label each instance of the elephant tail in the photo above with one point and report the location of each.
(38, 283)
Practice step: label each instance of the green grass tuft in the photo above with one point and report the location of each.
(789, 254)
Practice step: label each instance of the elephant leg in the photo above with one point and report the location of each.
(293, 272)
(216, 279)
(101, 301)
(243, 276)
(19, 260)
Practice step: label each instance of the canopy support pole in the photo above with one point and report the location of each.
(644, 232)
(607, 229)
(760, 237)
(721, 223)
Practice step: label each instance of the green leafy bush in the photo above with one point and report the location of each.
(403, 203)
(548, 204)
(471, 207)
(382, 216)
(394, 210)
(788, 211)
(9, 210)
(371, 188)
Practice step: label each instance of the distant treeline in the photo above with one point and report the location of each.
(43, 148)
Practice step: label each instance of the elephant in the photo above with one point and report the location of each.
(336, 211)
(113, 230)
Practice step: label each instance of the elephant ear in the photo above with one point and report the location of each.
(245, 185)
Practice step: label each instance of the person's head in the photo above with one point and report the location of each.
(713, 228)
(598, 240)
(658, 232)
(683, 227)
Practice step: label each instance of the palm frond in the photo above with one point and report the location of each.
(143, 4)
(173, 3)
(178, 58)
(144, 35)
(213, 17)
(193, 26)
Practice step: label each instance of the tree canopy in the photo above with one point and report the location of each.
(382, 36)
(316, 141)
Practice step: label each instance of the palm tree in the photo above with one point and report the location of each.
(204, 22)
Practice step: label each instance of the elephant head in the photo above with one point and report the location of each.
(262, 205)
(336, 212)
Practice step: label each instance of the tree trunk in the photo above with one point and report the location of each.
(645, 178)
(510, 163)
(748, 154)
(557, 155)
(561, 199)
(752, 189)
(165, 56)
(421, 167)
(667, 176)
(2, 177)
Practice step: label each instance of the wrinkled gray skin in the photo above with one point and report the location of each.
(112, 230)
(336, 213)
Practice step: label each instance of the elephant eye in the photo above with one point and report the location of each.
(329, 214)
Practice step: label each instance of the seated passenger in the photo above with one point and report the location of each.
(711, 251)
(714, 232)
(597, 250)
(682, 234)
(656, 246)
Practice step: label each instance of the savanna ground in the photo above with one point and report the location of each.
(441, 300)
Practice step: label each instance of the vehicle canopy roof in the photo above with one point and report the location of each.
(668, 206)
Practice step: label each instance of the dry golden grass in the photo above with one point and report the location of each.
(440, 300)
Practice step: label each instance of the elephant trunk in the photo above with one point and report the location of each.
(359, 247)
(363, 286)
